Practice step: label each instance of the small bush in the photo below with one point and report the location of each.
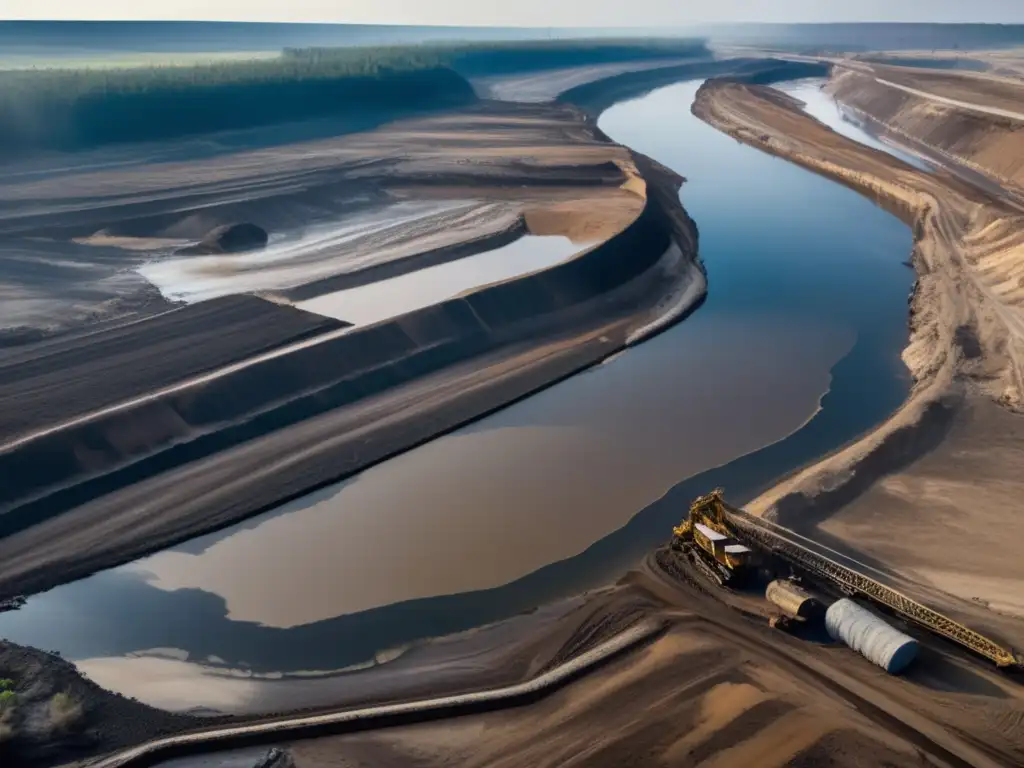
(7, 700)
(65, 712)
(6, 684)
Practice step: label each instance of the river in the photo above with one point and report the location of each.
(796, 351)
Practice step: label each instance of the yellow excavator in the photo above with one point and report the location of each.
(706, 537)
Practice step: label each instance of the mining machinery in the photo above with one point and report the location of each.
(727, 543)
(708, 540)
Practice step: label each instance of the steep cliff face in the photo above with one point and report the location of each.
(988, 142)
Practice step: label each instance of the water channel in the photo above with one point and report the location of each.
(796, 351)
(827, 110)
(397, 295)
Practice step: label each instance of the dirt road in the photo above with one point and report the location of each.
(721, 689)
(970, 119)
(972, 106)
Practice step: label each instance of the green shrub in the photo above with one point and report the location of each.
(6, 684)
(7, 700)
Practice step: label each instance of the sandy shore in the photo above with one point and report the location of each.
(894, 494)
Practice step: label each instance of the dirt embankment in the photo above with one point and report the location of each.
(66, 377)
(720, 688)
(164, 465)
(52, 714)
(504, 654)
(897, 101)
(360, 207)
(965, 353)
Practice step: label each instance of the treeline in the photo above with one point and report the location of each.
(71, 110)
(54, 109)
(481, 59)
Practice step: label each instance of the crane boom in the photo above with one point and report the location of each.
(711, 510)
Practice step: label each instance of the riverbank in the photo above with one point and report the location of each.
(715, 683)
(970, 119)
(509, 654)
(721, 687)
(913, 472)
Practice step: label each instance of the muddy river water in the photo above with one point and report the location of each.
(795, 351)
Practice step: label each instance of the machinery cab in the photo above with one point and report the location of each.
(710, 543)
(725, 549)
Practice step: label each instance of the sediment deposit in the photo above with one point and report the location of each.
(204, 446)
(964, 352)
(719, 687)
(971, 119)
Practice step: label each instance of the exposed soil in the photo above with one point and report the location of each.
(721, 688)
(896, 100)
(46, 384)
(101, 721)
(154, 466)
(74, 233)
(935, 484)
(505, 653)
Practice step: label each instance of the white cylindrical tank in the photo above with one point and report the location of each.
(867, 634)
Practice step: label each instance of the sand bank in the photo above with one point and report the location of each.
(964, 352)
(972, 120)
(431, 369)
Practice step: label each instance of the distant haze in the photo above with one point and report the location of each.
(536, 13)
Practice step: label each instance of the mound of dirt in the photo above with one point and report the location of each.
(54, 715)
(230, 238)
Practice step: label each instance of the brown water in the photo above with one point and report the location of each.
(536, 483)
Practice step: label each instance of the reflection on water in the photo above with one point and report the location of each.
(465, 512)
(541, 499)
(387, 298)
(827, 110)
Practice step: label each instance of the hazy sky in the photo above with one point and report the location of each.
(580, 13)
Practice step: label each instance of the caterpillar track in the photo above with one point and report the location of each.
(713, 571)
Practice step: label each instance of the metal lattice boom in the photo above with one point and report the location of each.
(772, 537)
